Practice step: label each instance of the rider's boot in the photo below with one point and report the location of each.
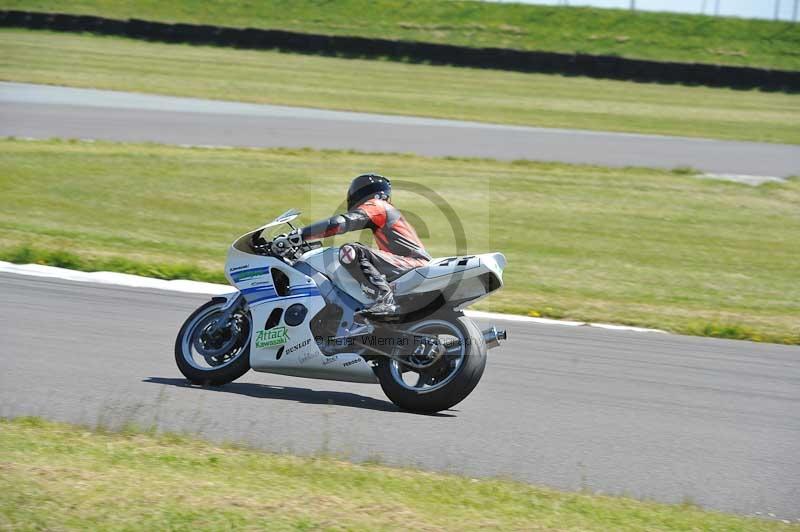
(383, 307)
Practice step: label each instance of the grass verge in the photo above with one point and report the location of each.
(633, 246)
(57, 476)
(661, 36)
(61, 258)
(396, 88)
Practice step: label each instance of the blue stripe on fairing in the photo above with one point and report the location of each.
(274, 298)
(308, 290)
(258, 294)
(261, 288)
(305, 294)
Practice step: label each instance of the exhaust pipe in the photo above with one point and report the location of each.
(492, 337)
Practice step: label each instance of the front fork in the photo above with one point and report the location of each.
(231, 306)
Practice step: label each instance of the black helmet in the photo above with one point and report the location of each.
(367, 186)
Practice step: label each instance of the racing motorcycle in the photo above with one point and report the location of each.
(295, 311)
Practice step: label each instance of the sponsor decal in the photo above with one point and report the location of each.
(271, 337)
(250, 274)
(330, 360)
(298, 346)
(305, 357)
(351, 362)
(237, 268)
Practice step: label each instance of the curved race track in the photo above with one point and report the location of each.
(652, 415)
(658, 416)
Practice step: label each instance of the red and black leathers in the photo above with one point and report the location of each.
(399, 247)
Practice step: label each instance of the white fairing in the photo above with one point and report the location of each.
(326, 261)
(286, 349)
(465, 276)
(291, 349)
(465, 272)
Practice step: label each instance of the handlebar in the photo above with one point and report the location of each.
(281, 247)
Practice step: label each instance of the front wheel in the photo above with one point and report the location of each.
(211, 353)
(446, 382)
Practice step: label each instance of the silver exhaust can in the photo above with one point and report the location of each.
(492, 336)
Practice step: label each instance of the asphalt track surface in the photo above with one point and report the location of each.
(41, 111)
(656, 416)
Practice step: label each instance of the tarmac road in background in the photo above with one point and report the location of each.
(42, 111)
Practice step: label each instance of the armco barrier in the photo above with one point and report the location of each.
(595, 66)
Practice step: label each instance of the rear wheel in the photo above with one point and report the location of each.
(211, 353)
(447, 381)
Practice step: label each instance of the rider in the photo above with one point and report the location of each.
(369, 205)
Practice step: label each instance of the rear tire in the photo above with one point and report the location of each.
(461, 383)
(212, 376)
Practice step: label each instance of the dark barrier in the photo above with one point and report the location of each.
(595, 66)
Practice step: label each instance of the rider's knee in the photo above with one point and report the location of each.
(352, 253)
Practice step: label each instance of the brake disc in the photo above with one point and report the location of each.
(212, 341)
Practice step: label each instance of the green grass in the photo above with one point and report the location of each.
(659, 36)
(60, 258)
(396, 88)
(634, 246)
(57, 476)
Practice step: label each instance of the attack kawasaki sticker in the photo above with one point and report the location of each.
(271, 337)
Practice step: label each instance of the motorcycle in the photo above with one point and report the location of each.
(295, 311)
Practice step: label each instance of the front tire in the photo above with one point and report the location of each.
(200, 368)
(459, 373)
